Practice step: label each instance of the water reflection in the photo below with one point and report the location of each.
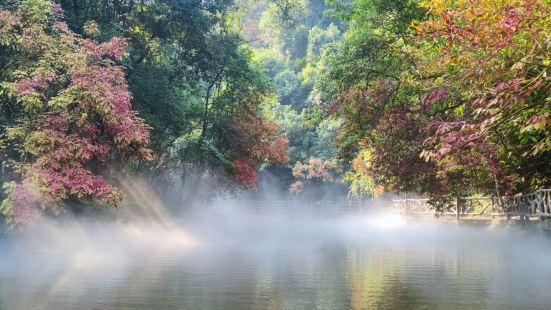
(404, 268)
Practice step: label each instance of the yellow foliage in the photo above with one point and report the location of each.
(361, 180)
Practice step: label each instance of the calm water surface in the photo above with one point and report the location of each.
(346, 268)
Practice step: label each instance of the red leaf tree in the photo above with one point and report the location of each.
(72, 112)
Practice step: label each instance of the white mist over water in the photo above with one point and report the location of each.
(89, 243)
(233, 257)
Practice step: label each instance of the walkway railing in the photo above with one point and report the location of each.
(525, 206)
(533, 204)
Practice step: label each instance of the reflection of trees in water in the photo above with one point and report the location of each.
(409, 277)
(374, 280)
(379, 274)
(284, 279)
(306, 279)
(58, 282)
(363, 276)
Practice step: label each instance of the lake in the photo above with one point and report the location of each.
(278, 264)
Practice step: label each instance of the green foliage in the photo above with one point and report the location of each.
(6, 207)
(362, 82)
(440, 97)
(448, 102)
(307, 138)
(293, 35)
(69, 113)
(189, 74)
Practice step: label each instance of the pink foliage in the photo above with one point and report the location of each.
(129, 130)
(63, 141)
(296, 187)
(434, 96)
(57, 10)
(76, 181)
(61, 26)
(22, 208)
(255, 141)
(104, 84)
(246, 172)
(116, 48)
(8, 21)
(315, 168)
(33, 85)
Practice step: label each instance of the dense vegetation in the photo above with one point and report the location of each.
(441, 97)
(165, 89)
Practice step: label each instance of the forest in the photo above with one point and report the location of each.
(442, 98)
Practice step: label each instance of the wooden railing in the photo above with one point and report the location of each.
(533, 204)
(527, 205)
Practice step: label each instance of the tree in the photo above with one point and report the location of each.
(491, 61)
(455, 105)
(192, 78)
(314, 172)
(363, 82)
(67, 112)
